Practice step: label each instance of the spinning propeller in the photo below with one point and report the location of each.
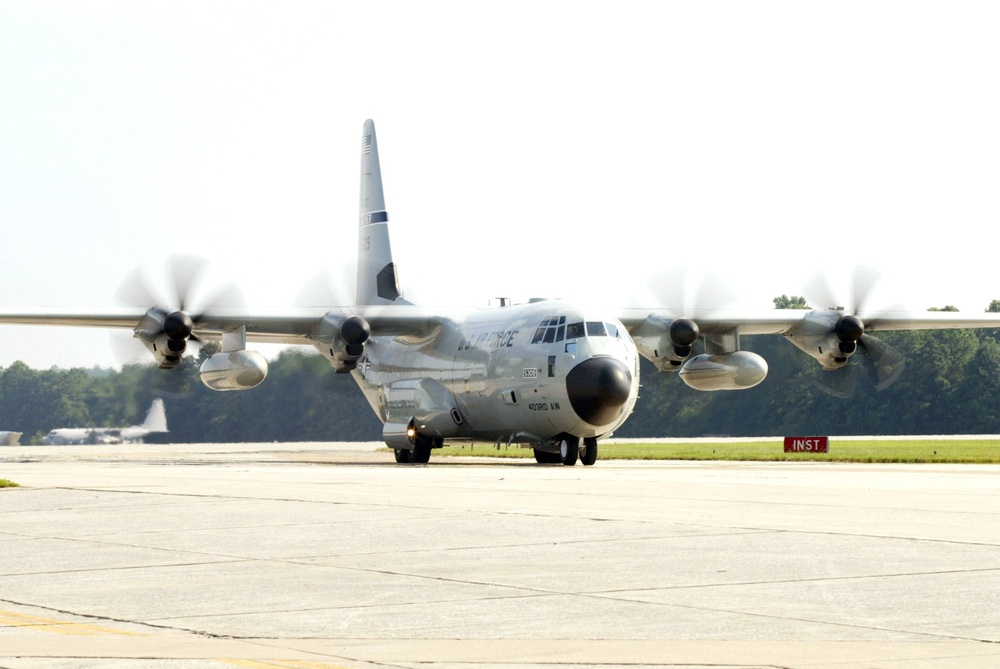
(327, 288)
(683, 296)
(883, 364)
(341, 337)
(174, 307)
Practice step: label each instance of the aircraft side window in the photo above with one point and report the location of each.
(612, 330)
(596, 329)
(574, 331)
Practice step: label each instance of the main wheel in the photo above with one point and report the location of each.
(546, 457)
(569, 450)
(588, 455)
(421, 451)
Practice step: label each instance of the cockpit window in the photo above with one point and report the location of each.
(576, 330)
(550, 330)
(596, 329)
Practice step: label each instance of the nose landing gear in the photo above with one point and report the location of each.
(588, 454)
(570, 450)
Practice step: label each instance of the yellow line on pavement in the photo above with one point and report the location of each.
(281, 664)
(12, 619)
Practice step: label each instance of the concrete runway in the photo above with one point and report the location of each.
(331, 555)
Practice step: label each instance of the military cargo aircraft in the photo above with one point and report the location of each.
(10, 438)
(155, 422)
(550, 375)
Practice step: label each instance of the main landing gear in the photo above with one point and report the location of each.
(421, 453)
(570, 450)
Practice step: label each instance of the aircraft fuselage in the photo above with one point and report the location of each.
(518, 374)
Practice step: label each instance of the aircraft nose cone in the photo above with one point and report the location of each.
(598, 389)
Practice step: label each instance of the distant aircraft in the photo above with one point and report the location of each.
(10, 438)
(551, 375)
(156, 421)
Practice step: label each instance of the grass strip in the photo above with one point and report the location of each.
(946, 450)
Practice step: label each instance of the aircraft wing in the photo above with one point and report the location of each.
(792, 321)
(296, 325)
(118, 318)
(830, 337)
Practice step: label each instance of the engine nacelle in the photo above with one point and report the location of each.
(165, 335)
(234, 370)
(724, 371)
(342, 340)
(167, 352)
(666, 341)
(829, 337)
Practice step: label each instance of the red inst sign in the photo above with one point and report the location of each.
(807, 444)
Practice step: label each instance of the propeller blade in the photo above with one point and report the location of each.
(326, 289)
(888, 363)
(852, 299)
(185, 272)
(842, 383)
(182, 300)
(175, 383)
(883, 362)
(863, 284)
(682, 293)
(136, 290)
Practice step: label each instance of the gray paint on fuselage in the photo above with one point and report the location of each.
(480, 361)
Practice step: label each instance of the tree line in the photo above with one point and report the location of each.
(950, 384)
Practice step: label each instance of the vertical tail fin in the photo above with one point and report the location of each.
(377, 281)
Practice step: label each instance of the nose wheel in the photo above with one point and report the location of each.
(588, 454)
(569, 450)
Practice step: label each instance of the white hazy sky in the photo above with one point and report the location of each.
(528, 148)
